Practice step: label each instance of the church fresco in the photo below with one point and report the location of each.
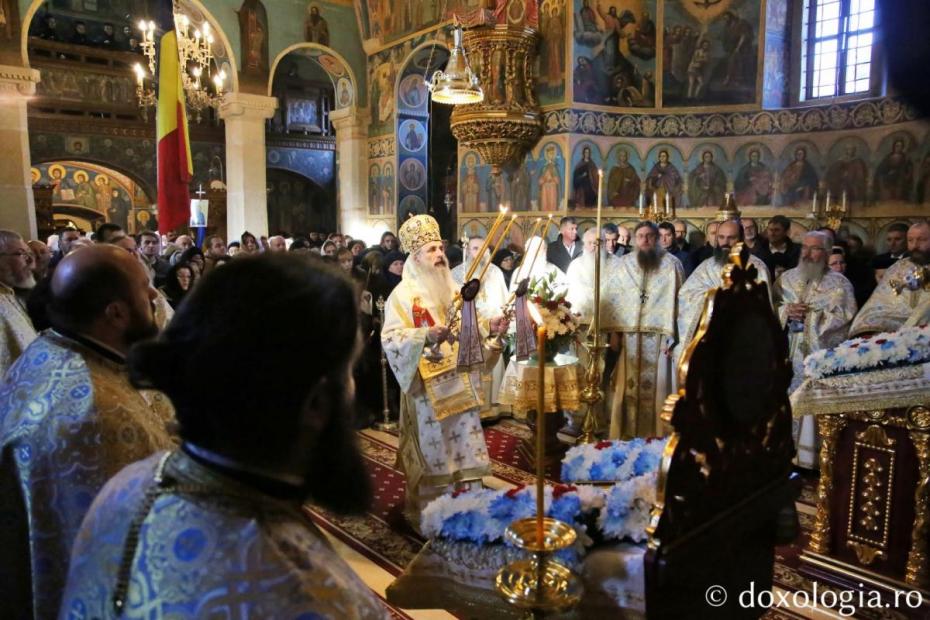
(623, 183)
(96, 189)
(893, 179)
(848, 171)
(754, 175)
(707, 179)
(552, 59)
(614, 52)
(710, 52)
(390, 20)
(664, 175)
(586, 161)
(799, 176)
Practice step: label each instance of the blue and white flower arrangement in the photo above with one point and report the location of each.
(909, 345)
(482, 516)
(612, 460)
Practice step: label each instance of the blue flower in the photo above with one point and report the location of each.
(566, 508)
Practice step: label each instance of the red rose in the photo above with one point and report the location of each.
(881, 341)
(512, 493)
(561, 489)
(603, 444)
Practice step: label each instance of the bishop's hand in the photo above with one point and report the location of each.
(499, 325)
(437, 333)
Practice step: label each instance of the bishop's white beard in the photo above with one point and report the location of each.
(434, 284)
(812, 271)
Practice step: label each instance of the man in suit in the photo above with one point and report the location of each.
(896, 242)
(781, 253)
(566, 248)
(611, 235)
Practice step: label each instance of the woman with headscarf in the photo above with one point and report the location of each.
(505, 261)
(193, 257)
(178, 282)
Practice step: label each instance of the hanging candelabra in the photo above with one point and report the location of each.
(201, 80)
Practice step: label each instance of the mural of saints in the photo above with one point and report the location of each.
(664, 178)
(623, 184)
(706, 183)
(754, 181)
(923, 183)
(549, 181)
(584, 181)
(471, 185)
(552, 50)
(798, 179)
(850, 175)
(894, 176)
(317, 30)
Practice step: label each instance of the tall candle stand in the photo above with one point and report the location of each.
(540, 584)
(386, 425)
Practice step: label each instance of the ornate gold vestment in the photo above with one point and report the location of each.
(16, 331)
(886, 311)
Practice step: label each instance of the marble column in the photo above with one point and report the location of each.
(17, 208)
(246, 191)
(352, 163)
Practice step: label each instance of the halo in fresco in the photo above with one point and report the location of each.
(412, 174)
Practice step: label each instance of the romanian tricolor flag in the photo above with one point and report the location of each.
(175, 167)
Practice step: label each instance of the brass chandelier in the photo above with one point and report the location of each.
(458, 84)
(201, 80)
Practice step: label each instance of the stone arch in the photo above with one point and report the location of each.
(35, 5)
(323, 48)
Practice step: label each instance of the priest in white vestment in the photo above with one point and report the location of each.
(886, 310)
(707, 277)
(490, 302)
(442, 445)
(535, 267)
(647, 286)
(817, 306)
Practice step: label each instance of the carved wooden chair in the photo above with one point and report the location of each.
(726, 492)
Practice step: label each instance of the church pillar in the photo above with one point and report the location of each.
(352, 163)
(246, 191)
(17, 208)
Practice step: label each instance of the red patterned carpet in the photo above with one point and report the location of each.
(384, 538)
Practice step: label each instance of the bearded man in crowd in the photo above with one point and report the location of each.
(707, 277)
(650, 279)
(817, 306)
(888, 310)
(441, 442)
(490, 301)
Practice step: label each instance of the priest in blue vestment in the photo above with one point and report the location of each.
(216, 528)
(70, 419)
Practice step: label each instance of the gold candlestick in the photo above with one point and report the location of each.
(497, 246)
(487, 242)
(540, 584)
(385, 425)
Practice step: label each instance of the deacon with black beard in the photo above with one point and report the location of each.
(816, 305)
(707, 277)
(219, 524)
(646, 297)
(887, 310)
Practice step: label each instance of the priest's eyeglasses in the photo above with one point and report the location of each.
(27, 256)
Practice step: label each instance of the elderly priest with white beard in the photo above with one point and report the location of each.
(442, 445)
(817, 306)
(646, 296)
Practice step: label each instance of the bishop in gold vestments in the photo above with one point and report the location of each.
(441, 440)
(69, 420)
(647, 300)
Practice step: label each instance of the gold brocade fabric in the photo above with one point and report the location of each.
(888, 388)
(885, 311)
(69, 420)
(580, 295)
(563, 384)
(16, 331)
(647, 302)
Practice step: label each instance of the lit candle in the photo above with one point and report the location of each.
(726, 200)
(487, 242)
(497, 246)
(668, 203)
(843, 203)
(814, 204)
(600, 194)
(642, 203)
(655, 202)
(826, 205)
(541, 337)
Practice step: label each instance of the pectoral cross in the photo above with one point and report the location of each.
(643, 296)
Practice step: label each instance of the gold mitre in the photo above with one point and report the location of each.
(417, 232)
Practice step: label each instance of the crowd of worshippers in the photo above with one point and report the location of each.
(166, 409)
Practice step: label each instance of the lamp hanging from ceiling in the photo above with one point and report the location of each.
(458, 84)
